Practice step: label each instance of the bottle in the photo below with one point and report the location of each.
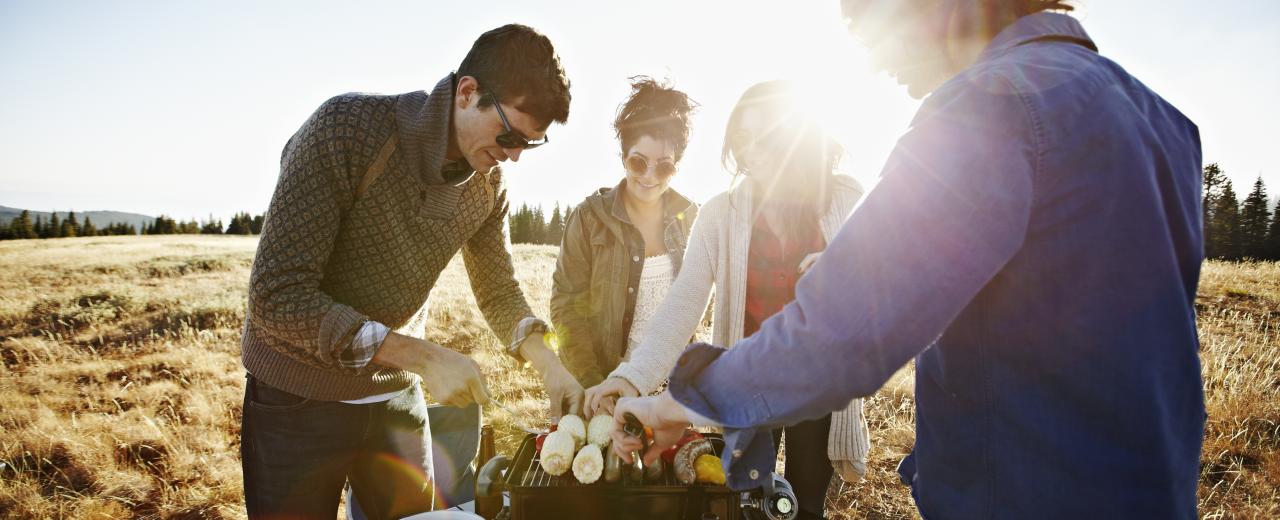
(487, 507)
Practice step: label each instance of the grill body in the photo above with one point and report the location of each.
(536, 495)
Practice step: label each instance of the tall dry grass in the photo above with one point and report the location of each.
(120, 385)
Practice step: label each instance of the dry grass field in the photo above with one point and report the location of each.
(121, 385)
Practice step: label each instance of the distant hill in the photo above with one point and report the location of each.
(100, 218)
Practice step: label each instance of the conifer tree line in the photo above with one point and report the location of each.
(529, 225)
(1235, 230)
(22, 226)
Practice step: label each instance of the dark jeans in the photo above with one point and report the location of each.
(807, 467)
(298, 453)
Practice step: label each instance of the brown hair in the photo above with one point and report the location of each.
(811, 154)
(515, 61)
(656, 110)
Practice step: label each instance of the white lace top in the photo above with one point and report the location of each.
(655, 279)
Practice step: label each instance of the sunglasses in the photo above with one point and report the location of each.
(512, 139)
(639, 165)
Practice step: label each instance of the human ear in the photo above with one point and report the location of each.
(468, 88)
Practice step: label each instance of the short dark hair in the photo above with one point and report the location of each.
(656, 110)
(515, 61)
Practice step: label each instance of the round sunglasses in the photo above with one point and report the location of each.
(639, 165)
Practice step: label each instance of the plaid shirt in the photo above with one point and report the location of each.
(773, 268)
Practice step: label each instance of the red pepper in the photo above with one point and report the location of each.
(542, 437)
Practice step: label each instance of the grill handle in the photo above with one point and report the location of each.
(490, 480)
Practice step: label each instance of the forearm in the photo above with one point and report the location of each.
(677, 319)
(406, 353)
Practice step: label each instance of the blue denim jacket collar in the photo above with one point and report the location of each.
(1034, 27)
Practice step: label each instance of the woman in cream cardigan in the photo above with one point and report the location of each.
(750, 244)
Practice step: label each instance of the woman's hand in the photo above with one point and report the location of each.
(808, 261)
(600, 399)
(660, 413)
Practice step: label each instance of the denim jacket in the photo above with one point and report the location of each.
(593, 294)
(1034, 242)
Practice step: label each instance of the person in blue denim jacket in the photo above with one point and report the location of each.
(1034, 243)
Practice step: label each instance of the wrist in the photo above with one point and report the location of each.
(626, 383)
(672, 411)
(535, 351)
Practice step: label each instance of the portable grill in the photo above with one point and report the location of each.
(535, 494)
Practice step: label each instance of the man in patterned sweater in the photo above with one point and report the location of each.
(376, 194)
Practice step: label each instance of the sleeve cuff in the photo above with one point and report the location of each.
(527, 327)
(363, 347)
(714, 391)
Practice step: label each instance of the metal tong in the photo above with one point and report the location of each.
(634, 428)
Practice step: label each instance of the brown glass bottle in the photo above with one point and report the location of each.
(487, 507)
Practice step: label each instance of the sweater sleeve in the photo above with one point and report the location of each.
(571, 309)
(667, 333)
(487, 255)
(286, 300)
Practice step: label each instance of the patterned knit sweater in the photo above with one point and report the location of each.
(328, 261)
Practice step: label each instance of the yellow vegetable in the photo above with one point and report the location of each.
(709, 470)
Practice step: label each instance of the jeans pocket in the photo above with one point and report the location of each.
(268, 398)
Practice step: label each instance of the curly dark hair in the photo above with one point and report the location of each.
(657, 110)
(516, 61)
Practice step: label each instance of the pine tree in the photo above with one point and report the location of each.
(1226, 224)
(70, 227)
(212, 227)
(555, 228)
(240, 224)
(22, 227)
(519, 222)
(1214, 179)
(255, 226)
(54, 226)
(1255, 216)
(1273, 235)
(537, 227)
(88, 229)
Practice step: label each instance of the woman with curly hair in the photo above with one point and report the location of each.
(623, 245)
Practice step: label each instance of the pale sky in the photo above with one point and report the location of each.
(182, 108)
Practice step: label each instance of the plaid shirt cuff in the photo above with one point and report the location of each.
(363, 346)
(524, 329)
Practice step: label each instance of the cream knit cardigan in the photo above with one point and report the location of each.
(717, 256)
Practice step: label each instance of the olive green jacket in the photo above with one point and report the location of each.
(593, 296)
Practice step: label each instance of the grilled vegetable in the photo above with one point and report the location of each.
(542, 437)
(588, 464)
(557, 453)
(574, 426)
(683, 465)
(598, 430)
(669, 455)
(708, 470)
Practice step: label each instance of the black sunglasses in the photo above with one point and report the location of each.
(511, 138)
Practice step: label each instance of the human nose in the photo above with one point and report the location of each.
(513, 153)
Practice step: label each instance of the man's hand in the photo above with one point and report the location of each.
(601, 398)
(563, 389)
(451, 378)
(661, 413)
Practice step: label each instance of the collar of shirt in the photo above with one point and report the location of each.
(1037, 27)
